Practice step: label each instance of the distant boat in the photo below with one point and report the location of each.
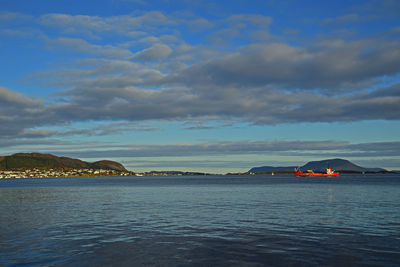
(329, 172)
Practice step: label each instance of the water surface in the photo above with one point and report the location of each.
(352, 220)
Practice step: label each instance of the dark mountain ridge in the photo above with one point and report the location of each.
(39, 160)
(340, 165)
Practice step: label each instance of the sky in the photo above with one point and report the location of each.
(211, 86)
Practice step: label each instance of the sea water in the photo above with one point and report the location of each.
(352, 220)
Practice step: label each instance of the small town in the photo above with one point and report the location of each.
(49, 173)
(54, 173)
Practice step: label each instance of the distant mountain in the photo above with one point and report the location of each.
(38, 160)
(340, 165)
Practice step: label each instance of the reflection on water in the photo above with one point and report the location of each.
(236, 221)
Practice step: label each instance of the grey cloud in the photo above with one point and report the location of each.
(200, 24)
(377, 146)
(155, 52)
(126, 104)
(80, 45)
(18, 112)
(8, 97)
(379, 8)
(260, 83)
(249, 20)
(110, 128)
(123, 24)
(119, 100)
(324, 65)
(201, 127)
(257, 105)
(27, 133)
(394, 32)
(183, 48)
(283, 148)
(74, 23)
(102, 73)
(24, 143)
(14, 16)
(18, 33)
(149, 40)
(244, 26)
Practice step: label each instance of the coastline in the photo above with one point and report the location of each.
(55, 173)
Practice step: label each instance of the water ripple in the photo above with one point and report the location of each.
(220, 221)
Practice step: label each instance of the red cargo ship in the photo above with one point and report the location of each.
(310, 173)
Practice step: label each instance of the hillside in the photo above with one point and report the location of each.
(108, 164)
(38, 160)
(340, 165)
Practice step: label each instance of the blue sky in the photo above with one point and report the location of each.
(215, 86)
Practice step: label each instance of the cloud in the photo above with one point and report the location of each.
(283, 148)
(20, 115)
(10, 99)
(21, 144)
(324, 65)
(201, 127)
(108, 128)
(379, 8)
(156, 76)
(14, 16)
(121, 99)
(256, 105)
(28, 133)
(75, 44)
(103, 73)
(199, 24)
(18, 33)
(249, 20)
(155, 52)
(19, 112)
(243, 27)
(95, 26)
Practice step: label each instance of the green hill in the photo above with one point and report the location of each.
(38, 160)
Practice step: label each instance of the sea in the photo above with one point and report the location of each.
(260, 220)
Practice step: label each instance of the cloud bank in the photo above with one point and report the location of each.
(141, 67)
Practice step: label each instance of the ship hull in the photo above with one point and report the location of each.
(315, 174)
